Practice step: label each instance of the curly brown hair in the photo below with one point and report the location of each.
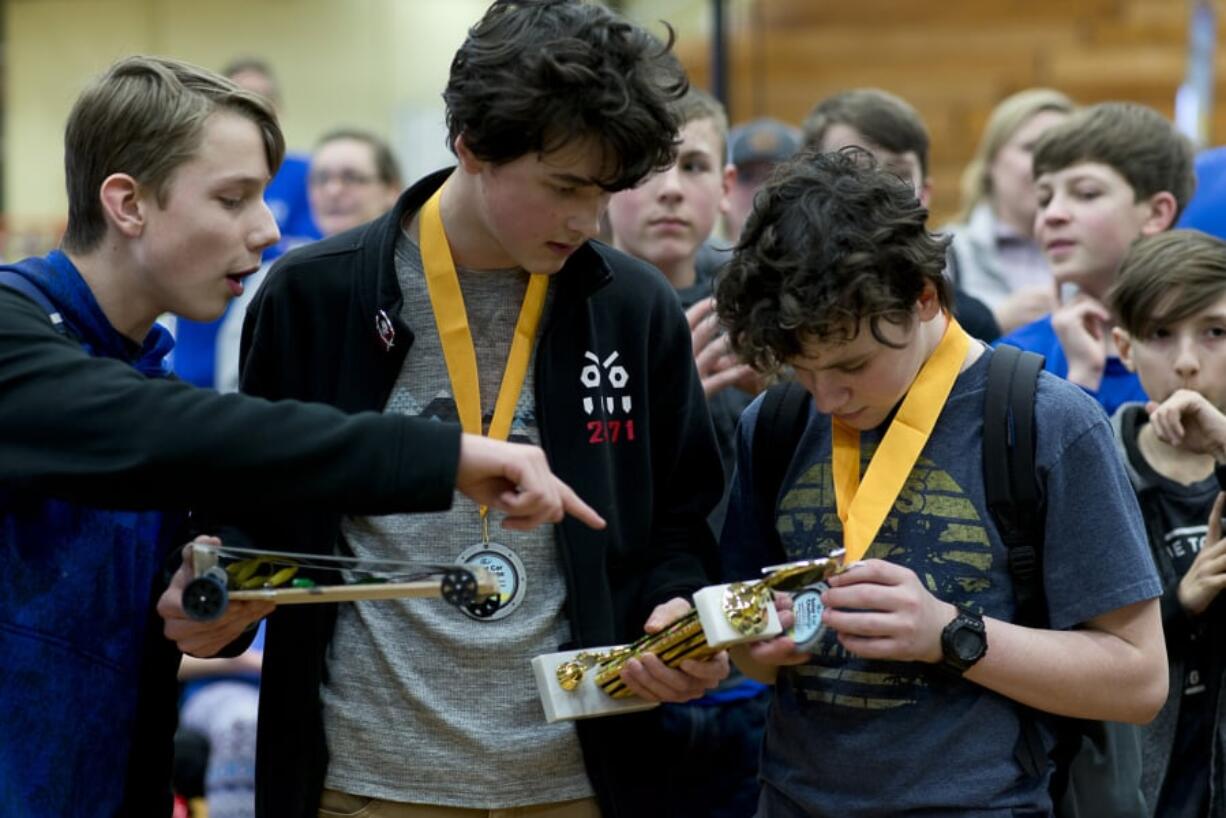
(533, 75)
(833, 241)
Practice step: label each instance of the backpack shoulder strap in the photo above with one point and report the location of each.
(782, 418)
(23, 285)
(1013, 499)
(1009, 478)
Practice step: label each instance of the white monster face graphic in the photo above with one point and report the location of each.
(595, 375)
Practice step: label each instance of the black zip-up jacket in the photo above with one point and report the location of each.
(631, 434)
(79, 640)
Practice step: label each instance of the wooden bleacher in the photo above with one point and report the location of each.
(954, 60)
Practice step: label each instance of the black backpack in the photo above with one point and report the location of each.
(15, 281)
(1098, 764)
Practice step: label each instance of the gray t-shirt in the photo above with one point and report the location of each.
(854, 738)
(423, 703)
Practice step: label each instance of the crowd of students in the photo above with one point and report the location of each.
(570, 335)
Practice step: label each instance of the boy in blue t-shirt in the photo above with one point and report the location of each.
(1107, 176)
(911, 699)
(1170, 301)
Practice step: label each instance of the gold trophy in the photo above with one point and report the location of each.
(585, 683)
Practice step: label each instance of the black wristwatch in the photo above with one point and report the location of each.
(963, 642)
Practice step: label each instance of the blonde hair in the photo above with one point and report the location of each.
(1007, 118)
(697, 105)
(144, 117)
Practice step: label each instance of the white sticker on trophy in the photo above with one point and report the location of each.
(807, 608)
(507, 569)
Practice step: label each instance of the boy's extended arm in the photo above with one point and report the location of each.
(98, 431)
(1112, 668)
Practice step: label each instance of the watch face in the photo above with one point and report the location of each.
(967, 644)
(963, 642)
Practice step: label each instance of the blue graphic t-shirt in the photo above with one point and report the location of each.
(850, 737)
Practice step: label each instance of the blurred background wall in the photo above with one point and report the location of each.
(374, 64)
(381, 65)
(952, 59)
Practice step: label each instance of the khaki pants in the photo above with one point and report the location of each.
(333, 804)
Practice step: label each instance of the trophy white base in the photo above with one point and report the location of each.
(709, 602)
(583, 702)
(588, 700)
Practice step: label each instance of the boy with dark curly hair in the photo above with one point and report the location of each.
(909, 699)
(482, 296)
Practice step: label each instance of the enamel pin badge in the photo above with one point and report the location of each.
(385, 330)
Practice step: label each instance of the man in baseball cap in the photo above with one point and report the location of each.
(755, 147)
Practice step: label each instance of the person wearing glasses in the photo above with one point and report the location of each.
(353, 178)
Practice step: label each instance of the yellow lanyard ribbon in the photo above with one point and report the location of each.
(447, 302)
(863, 508)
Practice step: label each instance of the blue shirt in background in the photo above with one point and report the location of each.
(1207, 210)
(1119, 386)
